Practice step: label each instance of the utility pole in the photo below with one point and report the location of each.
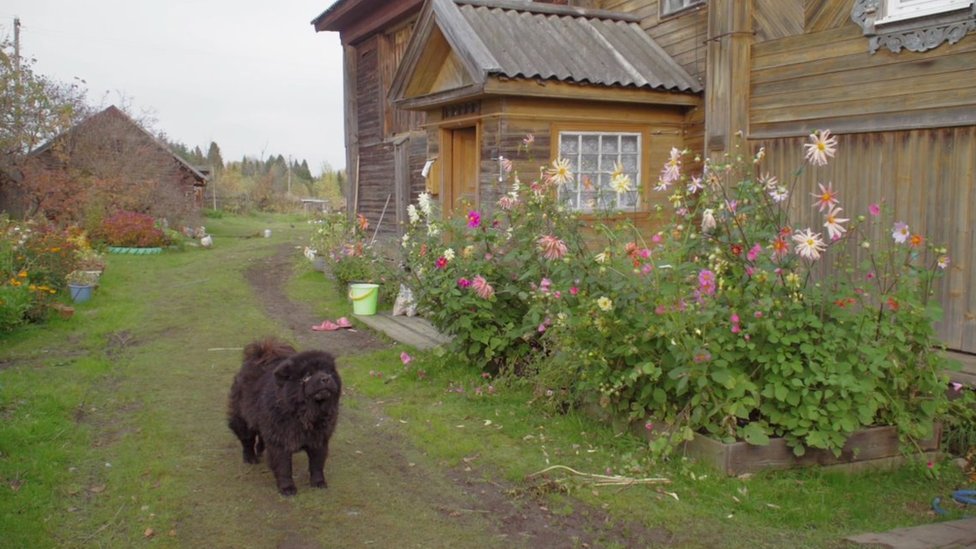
(18, 90)
(17, 47)
(289, 175)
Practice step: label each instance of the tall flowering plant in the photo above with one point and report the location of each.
(740, 321)
(490, 275)
(350, 252)
(34, 260)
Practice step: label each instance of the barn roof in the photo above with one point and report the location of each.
(113, 112)
(525, 40)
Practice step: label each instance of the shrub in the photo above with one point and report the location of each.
(350, 253)
(485, 278)
(130, 229)
(15, 302)
(34, 260)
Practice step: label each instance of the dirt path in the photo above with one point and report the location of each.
(461, 497)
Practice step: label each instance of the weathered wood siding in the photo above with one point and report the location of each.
(907, 125)
(925, 178)
(378, 124)
(825, 78)
(393, 45)
(774, 19)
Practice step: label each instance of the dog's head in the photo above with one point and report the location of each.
(309, 376)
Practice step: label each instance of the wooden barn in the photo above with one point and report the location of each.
(111, 148)
(460, 82)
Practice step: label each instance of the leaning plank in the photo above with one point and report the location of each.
(413, 331)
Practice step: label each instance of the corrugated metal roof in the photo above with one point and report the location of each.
(571, 45)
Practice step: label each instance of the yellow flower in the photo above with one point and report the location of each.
(560, 172)
(22, 274)
(605, 303)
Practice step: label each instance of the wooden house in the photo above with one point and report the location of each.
(892, 79)
(137, 169)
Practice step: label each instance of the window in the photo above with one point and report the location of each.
(899, 10)
(593, 157)
(669, 7)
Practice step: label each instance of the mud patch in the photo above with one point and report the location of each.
(522, 514)
(117, 343)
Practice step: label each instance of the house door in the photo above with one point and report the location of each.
(461, 186)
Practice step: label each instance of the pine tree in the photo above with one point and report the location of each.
(214, 159)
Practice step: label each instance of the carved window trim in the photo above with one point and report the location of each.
(916, 34)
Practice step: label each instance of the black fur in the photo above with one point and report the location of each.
(285, 402)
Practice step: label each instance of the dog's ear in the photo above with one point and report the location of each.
(284, 371)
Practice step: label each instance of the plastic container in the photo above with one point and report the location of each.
(364, 298)
(79, 293)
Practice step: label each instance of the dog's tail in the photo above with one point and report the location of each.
(267, 351)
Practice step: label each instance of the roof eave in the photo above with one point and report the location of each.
(553, 89)
(441, 98)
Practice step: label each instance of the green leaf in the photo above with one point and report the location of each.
(755, 434)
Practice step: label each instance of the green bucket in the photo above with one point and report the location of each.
(364, 298)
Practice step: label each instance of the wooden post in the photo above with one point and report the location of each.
(351, 192)
(729, 41)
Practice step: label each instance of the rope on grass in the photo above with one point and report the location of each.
(604, 480)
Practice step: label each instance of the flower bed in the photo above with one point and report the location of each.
(736, 319)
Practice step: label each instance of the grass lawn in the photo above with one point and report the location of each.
(112, 434)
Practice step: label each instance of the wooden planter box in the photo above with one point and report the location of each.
(867, 448)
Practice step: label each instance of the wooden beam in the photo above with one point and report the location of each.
(356, 20)
(350, 56)
(567, 90)
(729, 41)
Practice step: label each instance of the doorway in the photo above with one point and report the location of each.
(461, 170)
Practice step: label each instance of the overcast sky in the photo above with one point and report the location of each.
(252, 75)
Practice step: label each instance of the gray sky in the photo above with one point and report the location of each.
(252, 75)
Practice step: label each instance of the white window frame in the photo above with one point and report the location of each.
(901, 10)
(671, 7)
(606, 164)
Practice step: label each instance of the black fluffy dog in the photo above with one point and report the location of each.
(285, 401)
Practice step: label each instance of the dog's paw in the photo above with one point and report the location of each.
(320, 484)
(251, 458)
(288, 490)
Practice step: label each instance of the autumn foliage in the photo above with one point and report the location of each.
(130, 229)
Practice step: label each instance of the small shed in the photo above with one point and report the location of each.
(109, 145)
(590, 86)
